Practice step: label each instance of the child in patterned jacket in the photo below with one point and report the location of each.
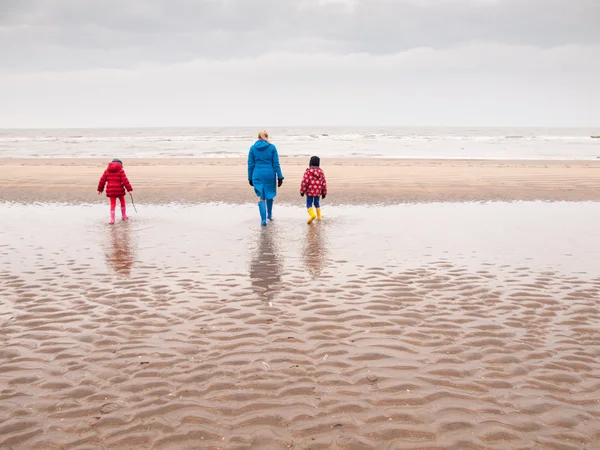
(314, 186)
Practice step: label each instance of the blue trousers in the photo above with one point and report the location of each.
(313, 200)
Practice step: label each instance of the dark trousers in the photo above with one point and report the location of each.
(313, 200)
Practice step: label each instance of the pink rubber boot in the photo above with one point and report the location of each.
(112, 217)
(124, 213)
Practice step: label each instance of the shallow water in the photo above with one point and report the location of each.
(413, 326)
(223, 238)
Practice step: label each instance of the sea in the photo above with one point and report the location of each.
(326, 142)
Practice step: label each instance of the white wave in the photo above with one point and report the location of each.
(376, 142)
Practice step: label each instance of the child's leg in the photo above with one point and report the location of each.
(123, 208)
(318, 207)
(311, 212)
(113, 204)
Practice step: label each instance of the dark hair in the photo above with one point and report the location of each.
(117, 160)
(315, 161)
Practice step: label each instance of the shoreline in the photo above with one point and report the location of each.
(351, 180)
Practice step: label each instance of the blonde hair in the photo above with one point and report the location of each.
(263, 135)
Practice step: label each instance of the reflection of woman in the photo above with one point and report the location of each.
(120, 254)
(266, 267)
(315, 251)
(264, 174)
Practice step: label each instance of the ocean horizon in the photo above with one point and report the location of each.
(493, 143)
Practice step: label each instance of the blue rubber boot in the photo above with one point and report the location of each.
(270, 209)
(262, 207)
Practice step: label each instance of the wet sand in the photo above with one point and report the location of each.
(352, 181)
(472, 326)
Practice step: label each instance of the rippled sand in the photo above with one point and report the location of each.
(472, 326)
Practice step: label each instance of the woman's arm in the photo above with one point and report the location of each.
(250, 164)
(276, 165)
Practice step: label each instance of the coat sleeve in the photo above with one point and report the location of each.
(276, 165)
(304, 183)
(102, 182)
(250, 164)
(125, 181)
(324, 185)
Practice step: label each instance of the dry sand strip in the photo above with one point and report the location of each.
(351, 181)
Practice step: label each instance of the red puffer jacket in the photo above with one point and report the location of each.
(115, 180)
(314, 183)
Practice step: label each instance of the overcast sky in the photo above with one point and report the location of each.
(80, 63)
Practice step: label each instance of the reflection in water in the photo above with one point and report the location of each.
(266, 267)
(315, 250)
(120, 251)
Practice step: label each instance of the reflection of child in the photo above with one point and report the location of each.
(314, 185)
(116, 182)
(120, 253)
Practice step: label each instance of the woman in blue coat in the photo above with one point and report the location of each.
(264, 174)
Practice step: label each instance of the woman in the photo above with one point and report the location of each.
(264, 174)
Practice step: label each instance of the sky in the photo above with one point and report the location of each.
(117, 63)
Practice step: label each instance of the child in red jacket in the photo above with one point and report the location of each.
(314, 185)
(116, 182)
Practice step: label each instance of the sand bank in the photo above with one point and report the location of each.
(352, 181)
(471, 326)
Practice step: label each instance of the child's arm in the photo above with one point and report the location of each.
(125, 181)
(324, 187)
(102, 182)
(304, 183)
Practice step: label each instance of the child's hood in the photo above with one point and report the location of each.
(315, 172)
(114, 166)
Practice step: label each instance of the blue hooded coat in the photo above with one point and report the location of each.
(264, 169)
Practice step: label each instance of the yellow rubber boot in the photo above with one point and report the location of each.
(311, 213)
(319, 214)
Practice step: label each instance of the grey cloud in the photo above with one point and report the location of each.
(468, 86)
(73, 34)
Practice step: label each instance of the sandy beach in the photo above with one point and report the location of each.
(406, 319)
(445, 295)
(352, 181)
(438, 325)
